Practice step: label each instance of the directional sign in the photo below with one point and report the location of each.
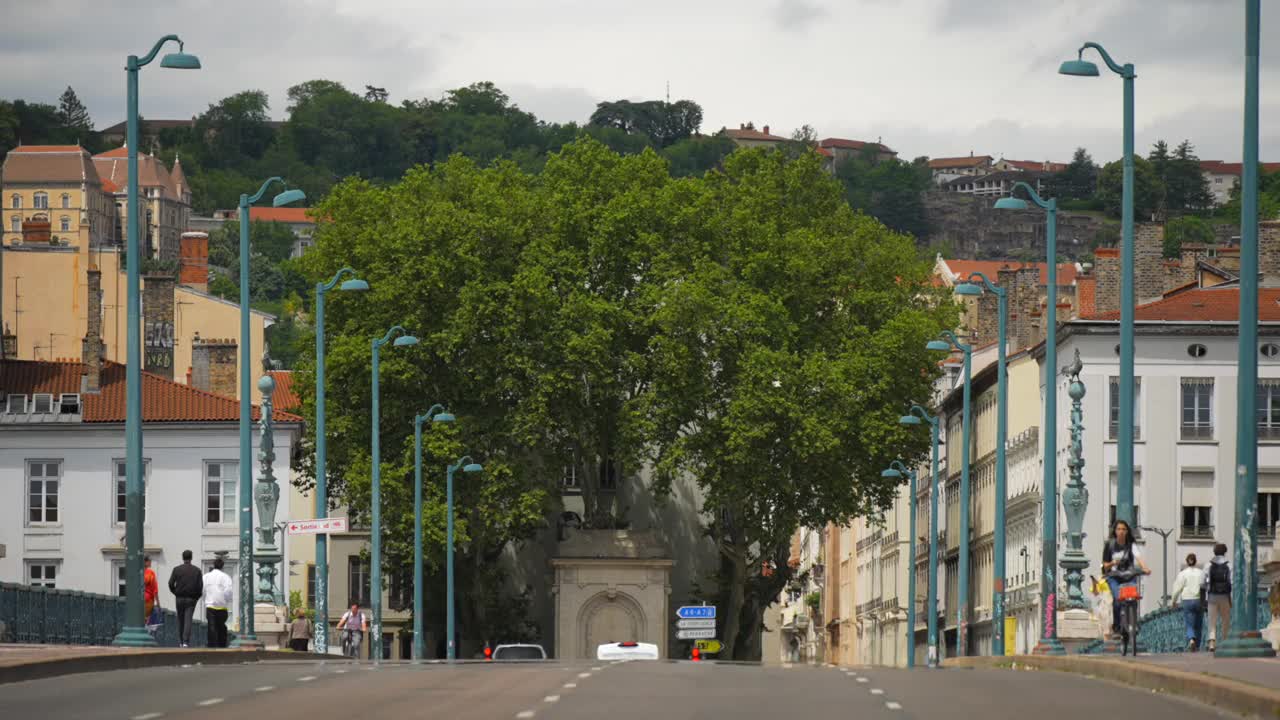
(697, 634)
(322, 526)
(690, 612)
(709, 646)
(696, 624)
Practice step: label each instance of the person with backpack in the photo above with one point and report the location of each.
(1122, 564)
(1217, 583)
(1186, 593)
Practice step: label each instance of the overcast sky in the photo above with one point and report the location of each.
(929, 77)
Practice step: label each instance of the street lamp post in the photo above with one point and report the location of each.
(464, 463)
(322, 496)
(962, 612)
(375, 500)
(134, 632)
(1164, 567)
(915, 417)
(897, 470)
(1049, 643)
(1245, 640)
(1002, 431)
(1124, 442)
(246, 637)
(438, 414)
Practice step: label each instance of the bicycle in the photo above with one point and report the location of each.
(1129, 595)
(350, 648)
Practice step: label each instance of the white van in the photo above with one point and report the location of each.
(627, 651)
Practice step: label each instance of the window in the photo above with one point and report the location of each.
(42, 573)
(17, 405)
(15, 224)
(15, 201)
(42, 492)
(1137, 520)
(1269, 350)
(400, 595)
(220, 493)
(1268, 513)
(569, 477)
(1268, 409)
(41, 201)
(1113, 428)
(118, 574)
(1197, 504)
(64, 223)
(357, 581)
(1196, 350)
(42, 403)
(69, 404)
(311, 586)
(66, 201)
(120, 482)
(1197, 408)
(388, 639)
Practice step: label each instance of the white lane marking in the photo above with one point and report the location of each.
(584, 674)
(551, 698)
(862, 679)
(265, 688)
(525, 714)
(893, 706)
(210, 701)
(147, 716)
(339, 672)
(596, 669)
(877, 691)
(306, 678)
(786, 666)
(570, 686)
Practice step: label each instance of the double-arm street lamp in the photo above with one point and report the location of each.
(1124, 442)
(436, 414)
(1049, 644)
(467, 466)
(917, 415)
(969, 288)
(402, 339)
(246, 637)
(322, 496)
(947, 342)
(897, 470)
(134, 632)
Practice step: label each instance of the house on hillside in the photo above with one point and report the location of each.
(949, 168)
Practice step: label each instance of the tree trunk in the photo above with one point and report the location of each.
(736, 558)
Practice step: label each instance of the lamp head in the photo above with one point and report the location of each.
(1078, 68)
(1011, 203)
(938, 345)
(180, 61)
(288, 196)
(354, 284)
(405, 340)
(968, 289)
(908, 420)
(890, 473)
(472, 468)
(443, 417)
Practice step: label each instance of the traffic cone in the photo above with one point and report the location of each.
(697, 655)
(488, 654)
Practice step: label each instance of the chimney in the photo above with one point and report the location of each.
(987, 327)
(1107, 269)
(1007, 278)
(91, 350)
(213, 366)
(194, 260)
(1148, 251)
(8, 343)
(1269, 252)
(766, 129)
(1025, 301)
(1190, 256)
(157, 311)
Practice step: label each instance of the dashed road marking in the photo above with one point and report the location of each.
(339, 672)
(210, 701)
(570, 686)
(877, 691)
(786, 666)
(265, 688)
(862, 679)
(893, 705)
(524, 714)
(584, 674)
(596, 669)
(147, 716)
(306, 678)
(551, 698)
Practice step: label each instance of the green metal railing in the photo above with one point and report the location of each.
(1164, 631)
(41, 616)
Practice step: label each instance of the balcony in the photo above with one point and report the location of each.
(1196, 532)
(794, 618)
(1197, 432)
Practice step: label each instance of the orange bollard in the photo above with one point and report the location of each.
(697, 655)
(488, 654)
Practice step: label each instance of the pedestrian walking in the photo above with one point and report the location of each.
(217, 602)
(187, 585)
(1217, 585)
(1187, 591)
(150, 589)
(299, 631)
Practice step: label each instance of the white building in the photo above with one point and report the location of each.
(62, 450)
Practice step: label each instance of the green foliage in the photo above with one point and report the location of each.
(1185, 229)
(661, 122)
(694, 157)
(236, 130)
(43, 124)
(72, 113)
(1078, 182)
(273, 240)
(1268, 199)
(813, 600)
(1149, 190)
(891, 191)
(1185, 186)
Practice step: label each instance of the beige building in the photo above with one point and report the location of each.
(748, 136)
(53, 195)
(164, 197)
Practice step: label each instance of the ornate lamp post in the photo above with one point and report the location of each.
(464, 463)
(1075, 497)
(134, 632)
(896, 470)
(962, 612)
(266, 495)
(437, 414)
(915, 417)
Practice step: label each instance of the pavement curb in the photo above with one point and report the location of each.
(107, 661)
(1239, 697)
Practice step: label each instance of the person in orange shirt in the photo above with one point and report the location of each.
(150, 589)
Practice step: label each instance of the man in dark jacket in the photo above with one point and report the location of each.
(187, 585)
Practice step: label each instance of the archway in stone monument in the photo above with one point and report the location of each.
(610, 616)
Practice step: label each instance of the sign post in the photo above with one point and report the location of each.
(696, 634)
(319, 526)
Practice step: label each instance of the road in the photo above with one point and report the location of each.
(578, 691)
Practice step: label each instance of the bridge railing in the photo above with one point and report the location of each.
(1163, 630)
(42, 616)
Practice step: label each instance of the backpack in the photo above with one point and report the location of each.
(1219, 579)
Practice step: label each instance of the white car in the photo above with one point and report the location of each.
(627, 651)
(519, 651)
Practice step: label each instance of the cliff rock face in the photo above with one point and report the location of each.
(973, 228)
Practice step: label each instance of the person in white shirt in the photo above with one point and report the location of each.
(1186, 592)
(355, 624)
(217, 603)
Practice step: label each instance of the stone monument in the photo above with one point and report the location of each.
(1075, 624)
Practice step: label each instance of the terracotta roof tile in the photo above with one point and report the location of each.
(281, 214)
(844, 144)
(113, 166)
(284, 398)
(47, 149)
(1087, 294)
(49, 164)
(1217, 167)
(162, 400)
(752, 134)
(991, 268)
(1203, 305)
(960, 162)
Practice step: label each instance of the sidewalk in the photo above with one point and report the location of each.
(32, 662)
(1249, 687)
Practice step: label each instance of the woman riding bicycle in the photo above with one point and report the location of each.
(1122, 564)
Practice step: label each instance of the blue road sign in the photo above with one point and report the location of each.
(690, 612)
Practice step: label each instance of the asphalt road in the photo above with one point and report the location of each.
(625, 691)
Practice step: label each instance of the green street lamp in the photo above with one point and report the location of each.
(322, 495)
(1049, 643)
(962, 612)
(134, 632)
(1124, 442)
(246, 637)
(436, 414)
(1245, 640)
(1002, 432)
(914, 417)
(375, 500)
(464, 463)
(897, 470)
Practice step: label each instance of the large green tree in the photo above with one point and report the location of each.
(891, 191)
(664, 123)
(72, 113)
(1079, 181)
(1148, 194)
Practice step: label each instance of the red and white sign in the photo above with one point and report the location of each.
(317, 527)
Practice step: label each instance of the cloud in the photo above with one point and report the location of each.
(798, 15)
(553, 104)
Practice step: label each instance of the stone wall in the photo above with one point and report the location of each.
(213, 366)
(157, 312)
(1107, 269)
(92, 349)
(1149, 274)
(974, 229)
